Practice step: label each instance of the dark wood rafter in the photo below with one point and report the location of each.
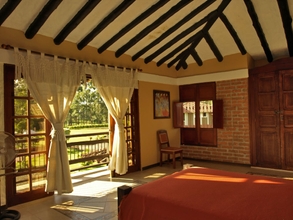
(198, 37)
(193, 53)
(75, 21)
(213, 46)
(196, 57)
(258, 29)
(195, 39)
(152, 26)
(105, 22)
(182, 62)
(287, 24)
(184, 65)
(233, 33)
(192, 40)
(179, 37)
(41, 18)
(187, 52)
(175, 60)
(7, 9)
(191, 15)
(132, 24)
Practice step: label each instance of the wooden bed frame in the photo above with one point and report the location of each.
(122, 191)
(208, 194)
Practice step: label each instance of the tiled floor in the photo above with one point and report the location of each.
(94, 195)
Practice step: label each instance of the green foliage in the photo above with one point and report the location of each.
(87, 110)
(80, 126)
(87, 163)
(67, 131)
(87, 107)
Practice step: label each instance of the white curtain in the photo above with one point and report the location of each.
(52, 82)
(115, 86)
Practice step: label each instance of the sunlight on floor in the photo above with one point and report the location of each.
(83, 209)
(155, 176)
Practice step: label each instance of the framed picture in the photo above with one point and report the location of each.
(161, 104)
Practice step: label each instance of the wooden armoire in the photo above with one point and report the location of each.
(271, 114)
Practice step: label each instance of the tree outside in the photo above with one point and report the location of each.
(87, 108)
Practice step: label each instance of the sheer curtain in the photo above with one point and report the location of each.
(115, 86)
(52, 83)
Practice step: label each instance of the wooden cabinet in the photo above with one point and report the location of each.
(198, 114)
(271, 114)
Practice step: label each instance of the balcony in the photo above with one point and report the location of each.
(87, 150)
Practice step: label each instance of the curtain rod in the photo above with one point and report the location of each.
(9, 47)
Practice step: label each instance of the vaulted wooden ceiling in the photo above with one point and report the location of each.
(171, 32)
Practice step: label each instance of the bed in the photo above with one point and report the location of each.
(208, 194)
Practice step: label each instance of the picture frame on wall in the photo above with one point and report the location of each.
(161, 104)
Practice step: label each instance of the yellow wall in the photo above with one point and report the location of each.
(148, 125)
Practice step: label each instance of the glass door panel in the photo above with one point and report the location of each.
(24, 119)
(206, 114)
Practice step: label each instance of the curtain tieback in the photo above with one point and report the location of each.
(57, 129)
(119, 125)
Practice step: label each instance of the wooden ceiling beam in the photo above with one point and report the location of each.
(195, 39)
(104, 23)
(170, 64)
(191, 15)
(187, 52)
(7, 9)
(179, 37)
(287, 24)
(151, 27)
(75, 21)
(182, 62)
(258, 29)
(193, 53)
(132, 24)
(213, 46)
(41, 18)
(196, 57)
(233, 33)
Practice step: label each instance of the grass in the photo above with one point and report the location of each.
(79, 139)
(85, 131)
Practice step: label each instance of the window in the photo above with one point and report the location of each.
(198, 114)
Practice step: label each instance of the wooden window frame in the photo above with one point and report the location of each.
(196, 135)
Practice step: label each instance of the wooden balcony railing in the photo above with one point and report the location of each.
(91, 150)
(84, 151)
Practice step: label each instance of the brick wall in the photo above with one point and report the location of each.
(233, 143)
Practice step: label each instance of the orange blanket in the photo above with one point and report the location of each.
(207, 194)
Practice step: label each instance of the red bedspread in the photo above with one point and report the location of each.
(208, 194)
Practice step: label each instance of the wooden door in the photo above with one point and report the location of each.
(131, 128)
(31, 130)
(131, 131)
(286, 116)
(271, 114)
(267, 120)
